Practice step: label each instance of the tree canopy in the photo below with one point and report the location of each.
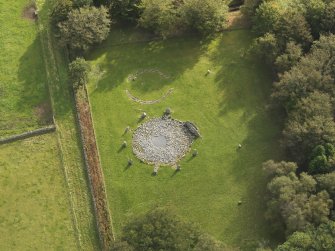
(321, 238)
(161, 229)
(85, 27)
(294, 202)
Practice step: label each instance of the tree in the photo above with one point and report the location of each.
(310, 123)
(286, 20)
(291, 57)
(273, 169)
(267, 17)
(125, 9)
(81, 3)
(314, 14)
(78, 72)
(160, 229)
(293, 201)
(161, 17)
(318, 239)
(205, 16)
(121, 246)
(266, 47)
(250, 6)
(292, 26)
(207, 243)
(328, 18)
(60, 11)
(326, 182)
(314, 72)
(322, 159)
(85, 27)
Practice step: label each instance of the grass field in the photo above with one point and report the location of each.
(34, 204)
(24, 100)
(45, 198)
(228, 105)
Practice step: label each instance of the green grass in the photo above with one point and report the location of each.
(30, 64)
(229, 106)
(34, 204)
(22, 72)
(67, 131)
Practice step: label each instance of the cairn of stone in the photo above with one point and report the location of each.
(162, 141)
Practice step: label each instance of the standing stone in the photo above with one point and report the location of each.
(168, 111)
(124, 144)
(143, 116)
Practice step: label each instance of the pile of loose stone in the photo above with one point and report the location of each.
(162, 141)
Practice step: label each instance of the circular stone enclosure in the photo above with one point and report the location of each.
(161, 141)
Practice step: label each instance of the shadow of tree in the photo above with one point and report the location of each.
(119, 62)
(245, 84)
(32, 76)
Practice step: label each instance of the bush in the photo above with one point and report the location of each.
(320, 239)
(322, 159)
(266, 47)
(294, 204)
(78, 72)
(286, 20)
(173, 16)
(81, 3)
(127, 10)
(161, 229)
(85, 27)
(291, 57)
(60, 11)
(205, 16)
(160, 17)
(309, 124)
(328, 19)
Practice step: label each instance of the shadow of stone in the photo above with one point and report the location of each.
(191, 158)
(140, 120)
(174, 173)
(121, 149)
(127, 167)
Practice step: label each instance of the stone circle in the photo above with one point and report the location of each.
(134, 76)
(161, 141)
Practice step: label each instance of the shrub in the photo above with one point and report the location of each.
(81, 3)
(60, 11)
(291, 57)
(173, 16)
(78, 72)
(205, 16)
(266, 47)
(85, 27)
(328, 19)
(159, 16)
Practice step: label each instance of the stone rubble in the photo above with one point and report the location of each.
(175, 141)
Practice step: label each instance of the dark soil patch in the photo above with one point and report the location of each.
(44, 113)
(29, 12)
